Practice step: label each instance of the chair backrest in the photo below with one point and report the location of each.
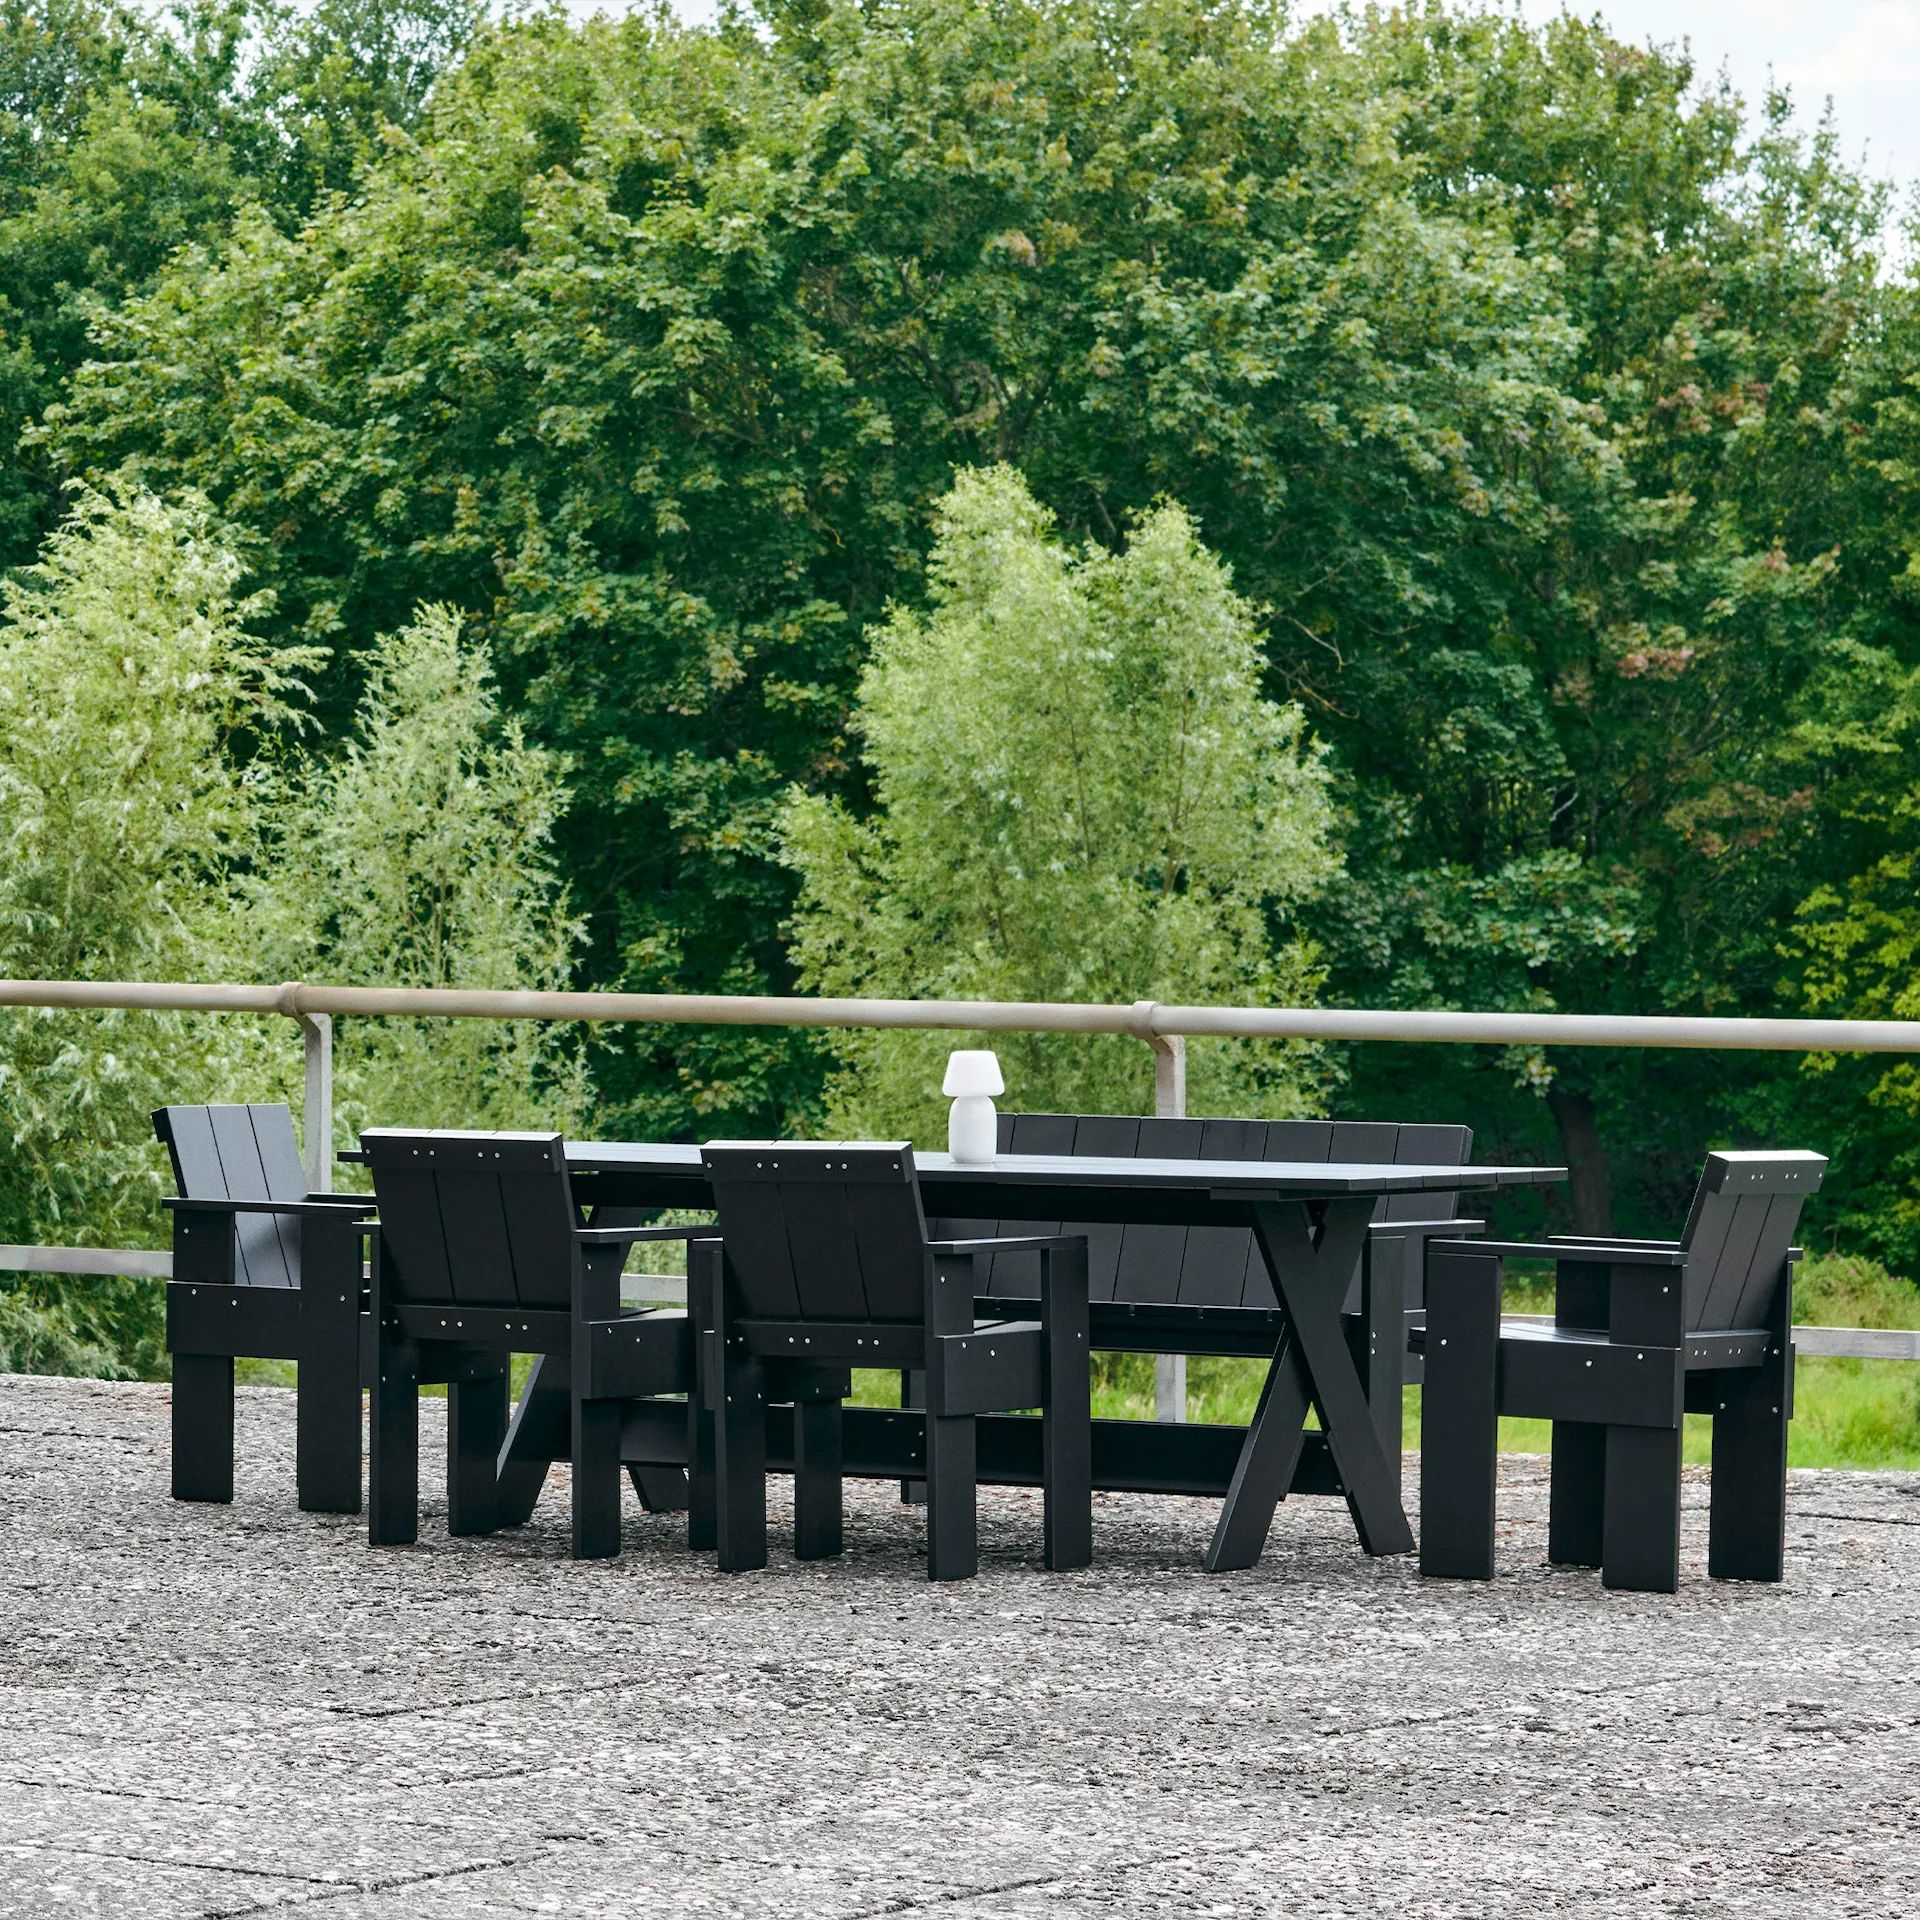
(821, 1230)
(473, 1219)
(1738, 1231)
(241, 1153)
(1200, 1266)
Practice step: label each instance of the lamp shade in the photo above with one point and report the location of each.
(972, 1071)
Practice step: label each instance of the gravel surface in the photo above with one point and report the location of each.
(221, 1710)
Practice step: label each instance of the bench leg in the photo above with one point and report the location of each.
(658, 1489)
(203, 1427)
(476, 1428)
(913, 1393)
(1576, 1496)
(393, 1468)
(539, 1434)
(703, 1499)
(596, 1479)
(740, 1464)
(1640, 1541)
(1747, 1520)
(1460, 1416)
(953, 1531)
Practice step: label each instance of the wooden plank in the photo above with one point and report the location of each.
(473, 1221)
(279, 1156)
(265, 1259)
(188, 1135)
(889, 1236)
(538, 1209)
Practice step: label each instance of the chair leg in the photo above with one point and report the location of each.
(596, 1479)
(817, 1500)
(740, 1464)
(1576, 1496)
(203, 1427)
(393, 1467)
(476, 1427)
(1747, 1519)
(953, 1534)
(327, 1414)
(1459, 1416)
(1640, 1543)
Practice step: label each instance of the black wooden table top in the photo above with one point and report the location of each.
(1240, 1179)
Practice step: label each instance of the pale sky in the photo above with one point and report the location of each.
(1863, 54)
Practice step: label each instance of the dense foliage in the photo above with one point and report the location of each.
(1080, 796)
(1554, 410)
(163, 818)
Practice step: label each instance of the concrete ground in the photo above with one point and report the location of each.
(222, 1710)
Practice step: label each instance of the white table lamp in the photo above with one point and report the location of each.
(973, 1078)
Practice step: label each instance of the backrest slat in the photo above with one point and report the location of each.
(1152, 1258)
(1424, 1144)
(824, 1247)
(279, 1155)
(187, 1133)
(263, 1257)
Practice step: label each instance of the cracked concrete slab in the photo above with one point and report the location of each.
(229, 1710)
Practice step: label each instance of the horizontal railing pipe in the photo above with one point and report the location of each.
(1144, 1020)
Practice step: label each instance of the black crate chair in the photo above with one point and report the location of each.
(480, 1255)
(1644, 1331)
(1206, 1290)
(828, 1265)
(262, 1269)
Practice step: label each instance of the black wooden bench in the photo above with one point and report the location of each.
(262, 1269)
(1644, 1332)
(1205, 1290)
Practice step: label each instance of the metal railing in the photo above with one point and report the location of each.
(1163, 1028)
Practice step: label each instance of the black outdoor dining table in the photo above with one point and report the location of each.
(1308, 1218)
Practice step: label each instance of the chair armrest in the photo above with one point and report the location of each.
(1425, 1226)
(334, 1205)
(1605, 1240)
(1026, 1243)
(1617, 1253)
(627, 1236)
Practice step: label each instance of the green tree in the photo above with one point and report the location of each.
(1081, 795)
(419, 856)
(132, 686)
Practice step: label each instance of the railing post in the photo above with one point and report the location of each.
(316, 1033)
(1169, 1103)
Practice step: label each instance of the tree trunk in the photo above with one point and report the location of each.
(1586, 1160)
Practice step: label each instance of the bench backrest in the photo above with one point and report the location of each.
(1739, 1229)
(473, 1219)
(821, 1230)
(241, 1153)
(1200, 1266)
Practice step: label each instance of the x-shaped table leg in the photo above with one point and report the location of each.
(1312, 1367)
